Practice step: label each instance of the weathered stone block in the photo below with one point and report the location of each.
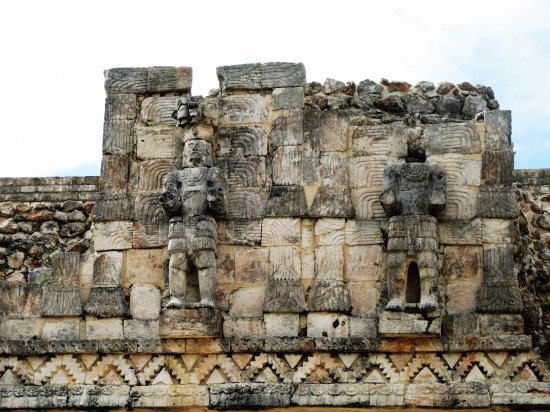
(520, 393)
(251, 265)
(497, 231)
(284, 290)
(365, 263)
(104, 328)
(498, 129)
(62, 329)
(330, 231)
(112, 235)
(245, 172)
(385, 140)
(391, 394)
(281, 231)
(462, 296)
(239, 109)
(250, 395)
(121, 107)
(332, 395)
(243, 327)
(465, 232)
(141, 329)
(281, 324)
(462, 202)
(363, 298)
(474, 105)
(247, 302)
(107, 302)
(497, 167)
(462, 263)
(427, 395)
(114, 173)
(145, 266)
(366, 203)
(497, 202)
(500, 325)
(240, 232)
(452, 138)
(287, 165)
(21, 300)
(242, 141)
(329, 262)
(277, 74)
(459, 169)
(21, 328)
(368, 171)
(141, 294)
(402, 323)
(240, 77)
(288, 98)
(247, 203)
(118, 136)
(112, 207)
(333, 169)
(363, 232)
(332, 202)
(148, 210)
(333, 132)
(287, 128)
(187, 323)
(177, 396)
(331, 325)
(288, 200)
(155, 143)
(361, 327)
(123, 80)
(169, 79)
(158, 110)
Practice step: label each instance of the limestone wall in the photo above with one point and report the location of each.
(302, 254)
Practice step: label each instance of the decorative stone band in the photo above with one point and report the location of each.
(470, 379)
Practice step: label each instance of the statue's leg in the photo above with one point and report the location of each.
(397, 262)
(177, 278)
(427, 266)
(205, 261)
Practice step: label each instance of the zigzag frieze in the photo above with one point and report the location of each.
(205, 369)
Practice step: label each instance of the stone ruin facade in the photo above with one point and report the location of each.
(280, 243)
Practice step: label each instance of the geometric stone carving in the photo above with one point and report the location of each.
(414, 324)
(380, 140)
(248, 203)
(114, 173)
(286, 201)
(363, 232)
(461, 232)
(106, 297)
(332, 201)
(287, 165)
(199, 322)
(152, 173)
(283, 75)
(241, 76)
(461, 202)
(250, 395)
(280, 232)
(112, 207)
(125, 80)
(62, 295)
(367, 171)
(459, 169)
(158, 110)
(287, 128)
(161, 79)
(120, 107)
(118, 136)
(112, 235)
(499, 292)
(366, 203)
(498, 166)
(497, 202)
(148, 209)
(236, 110)
(241, 141)
(155, 142)
(452, 138)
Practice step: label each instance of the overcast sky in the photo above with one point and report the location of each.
(54, 53)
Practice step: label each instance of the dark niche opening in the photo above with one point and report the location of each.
(413, 284)
(193, 291)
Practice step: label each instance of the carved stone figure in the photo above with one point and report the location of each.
(412, 193)
(192, 197)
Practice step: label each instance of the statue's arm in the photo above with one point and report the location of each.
(388, 197)
(171, 195)
(217, 192)
(438, 194)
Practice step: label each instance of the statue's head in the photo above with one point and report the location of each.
(197, 152)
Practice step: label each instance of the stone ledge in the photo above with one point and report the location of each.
(532, 177)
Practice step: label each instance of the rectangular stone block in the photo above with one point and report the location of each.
(287, 165)
(104, 328)
(226, 265)
(243, 327)
(158, 110)
(240, 232)
(242, 141)
(240, 77)
(247, 302)
(367, 171)
(118, 136)
(155, 143)
(281, 231)
(385, 140)
(112, 236)
(452, 138)
(286, 200)
(21, 328)
(121, 107)
(462, 296)
(497, 167)
(498, 129)
(123, 80)
(247, 203)
(113, 206)
(144, 302)
(169, 79)
(330, 325)
(390, 394)
(141, 329)
(459, 169)
(497, 202)
(20, 300)
(364, 298)
(190, 323)
(500, 324)
(287, 98)
(245, 172)
(332, 395)
(461, 232)
(149, 235)
(239, 109)
(520, 393)
(363, 232)
(497, 230)
(251, 265)
(427, 395)
(470, 395)
(330, 231)
(281, 324)
(462, 263)
(61, 329)
(367, 204)
(333, 133)
(331, 201)
(365, 263)
(362, 327)
(287, 127)
(334, 169)
(407, 324)
(329, 262)
(152, 174)
(462, 202)
(278, 74)
(114, 173)
(145, 267)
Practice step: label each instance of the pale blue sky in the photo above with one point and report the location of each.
(54, 53)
